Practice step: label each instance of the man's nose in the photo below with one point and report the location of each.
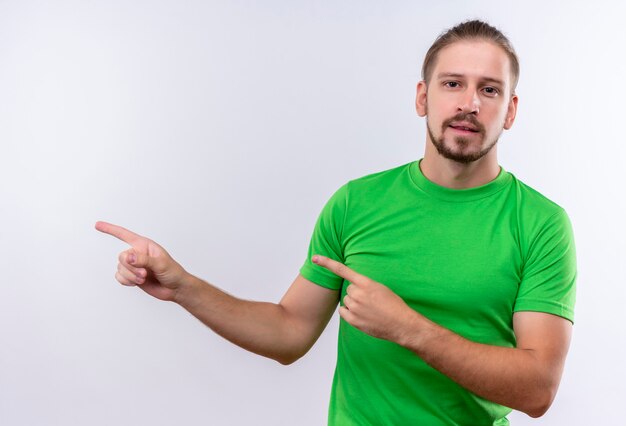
(469, 102)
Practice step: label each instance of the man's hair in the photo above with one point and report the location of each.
(470, 31)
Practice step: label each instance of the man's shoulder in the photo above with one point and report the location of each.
(532, 195)
(381, 179)
(533, 202)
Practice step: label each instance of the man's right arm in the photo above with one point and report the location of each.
(283, 331)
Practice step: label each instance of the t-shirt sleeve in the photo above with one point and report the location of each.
(327, 241)
(549, 274)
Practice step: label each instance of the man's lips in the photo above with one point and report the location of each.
(465, 127)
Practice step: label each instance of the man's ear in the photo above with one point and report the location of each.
(420, 99)
(511, 112)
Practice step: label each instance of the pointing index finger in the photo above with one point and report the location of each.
(118, 232)
(338, 268)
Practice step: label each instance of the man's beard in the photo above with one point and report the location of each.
(462, 142)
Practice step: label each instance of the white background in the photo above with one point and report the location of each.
(219, 129)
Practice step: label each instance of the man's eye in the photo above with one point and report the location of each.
(491, 91)
(451, 84)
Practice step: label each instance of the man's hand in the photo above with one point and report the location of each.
(370, 306)
(283, 331)
(525, 378)
(145, 264)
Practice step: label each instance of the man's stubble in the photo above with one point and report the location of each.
(460, 141)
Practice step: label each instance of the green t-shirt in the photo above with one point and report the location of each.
(466, 259)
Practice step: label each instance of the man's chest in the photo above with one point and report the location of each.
(458, 267)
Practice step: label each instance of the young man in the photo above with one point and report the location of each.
(456, 281)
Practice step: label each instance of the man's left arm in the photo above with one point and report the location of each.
(524, 378)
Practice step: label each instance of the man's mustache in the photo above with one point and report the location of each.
(468, 118)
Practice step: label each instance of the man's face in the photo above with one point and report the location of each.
(468, 101)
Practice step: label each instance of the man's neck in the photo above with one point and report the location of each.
(454, 175)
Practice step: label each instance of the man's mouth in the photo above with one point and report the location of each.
(464, 127)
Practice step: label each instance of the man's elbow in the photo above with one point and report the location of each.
(538, 412)
(288, 358)
(542, 402)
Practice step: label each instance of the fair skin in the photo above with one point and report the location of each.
(284, 331)
(469, 79)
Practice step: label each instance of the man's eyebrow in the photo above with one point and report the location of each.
(457, 75)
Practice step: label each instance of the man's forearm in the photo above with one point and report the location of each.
(513, 377)
(525, 378)
(283, 331)
(260, 327)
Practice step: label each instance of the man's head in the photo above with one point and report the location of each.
(471, 31)
(468, 90)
